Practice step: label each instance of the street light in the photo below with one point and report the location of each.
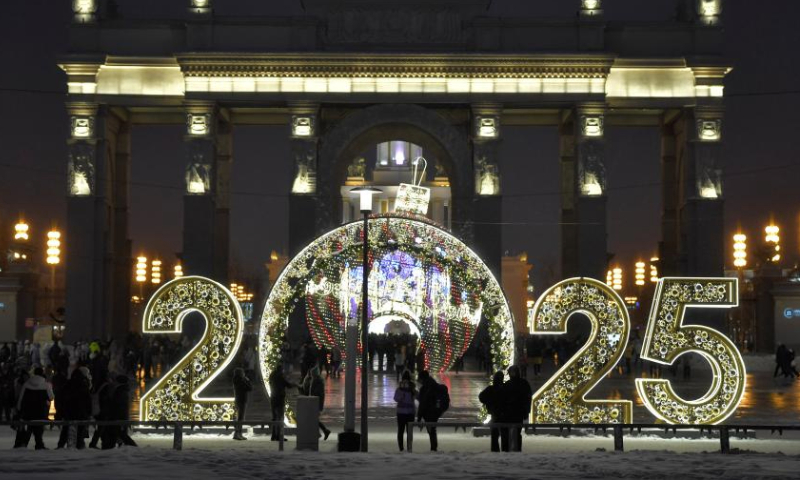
(654, 269)
(365, 206)
(774, 241)
(21, 231)
(53, 250)
(639, 274)
(740, 250)
(617, 279)
(141, 272)
(155, 276)
(53, 259)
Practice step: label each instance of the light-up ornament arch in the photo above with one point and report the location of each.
(418, 272)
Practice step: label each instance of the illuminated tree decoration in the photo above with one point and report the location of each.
(419, 274)
(667, 338)
(562, 398)
(176, 396)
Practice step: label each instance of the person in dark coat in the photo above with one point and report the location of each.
(494, 399)
(115, 405)
(518, 407)
(404, 396)
(33, 405)
(102, 405)
(314, 386)
(277, 396)
(241, 390)
(78, 404)
(427, 405)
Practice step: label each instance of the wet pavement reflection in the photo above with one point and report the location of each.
(767, 400)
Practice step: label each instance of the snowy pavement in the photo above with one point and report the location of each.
(461, 456)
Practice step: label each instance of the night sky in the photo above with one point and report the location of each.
(761, 141)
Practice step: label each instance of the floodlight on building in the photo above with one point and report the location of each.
(177, 271)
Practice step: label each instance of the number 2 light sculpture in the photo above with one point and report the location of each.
(176, 396)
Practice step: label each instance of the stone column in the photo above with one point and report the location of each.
(97, 246)
(583, 199)
(303, 225)
(693, 243)
(488, 203)
(206, 203)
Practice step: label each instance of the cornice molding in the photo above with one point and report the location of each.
(395, 66)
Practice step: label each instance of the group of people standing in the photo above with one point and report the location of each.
(77, 381)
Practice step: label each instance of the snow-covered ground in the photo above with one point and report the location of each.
(461, 456)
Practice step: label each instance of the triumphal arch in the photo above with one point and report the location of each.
(391, 78)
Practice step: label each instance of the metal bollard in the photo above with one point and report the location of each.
(724, 440)
(619, 445)
(177, 440)
(410, 438)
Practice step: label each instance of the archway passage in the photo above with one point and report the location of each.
(418, 272)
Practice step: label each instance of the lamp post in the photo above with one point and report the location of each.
(365, 194)
(53, 259)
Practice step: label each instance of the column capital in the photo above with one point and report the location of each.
(486, 122)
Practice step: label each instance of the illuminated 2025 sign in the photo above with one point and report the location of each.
(560, 400)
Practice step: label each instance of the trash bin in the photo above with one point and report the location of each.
(307, 414)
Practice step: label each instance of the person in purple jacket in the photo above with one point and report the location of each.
(404, 396)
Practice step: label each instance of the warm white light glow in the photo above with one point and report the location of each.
(639, 273)
(487, 127)
(302, 126)
(82, 127)
(592, 187)
(562, 398)
(773, 241)
(53, 247)
(654, 269)
(590, 4)
(709, 192)
(740, 250)
(199, 125)
(84, 7)
(141, 269)
(21, 231)
(396, 85)
(650, 83)
(592, 126)
(155, 272)
(176, 395)
(177, 271)
(667, 339)
(617, 279)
